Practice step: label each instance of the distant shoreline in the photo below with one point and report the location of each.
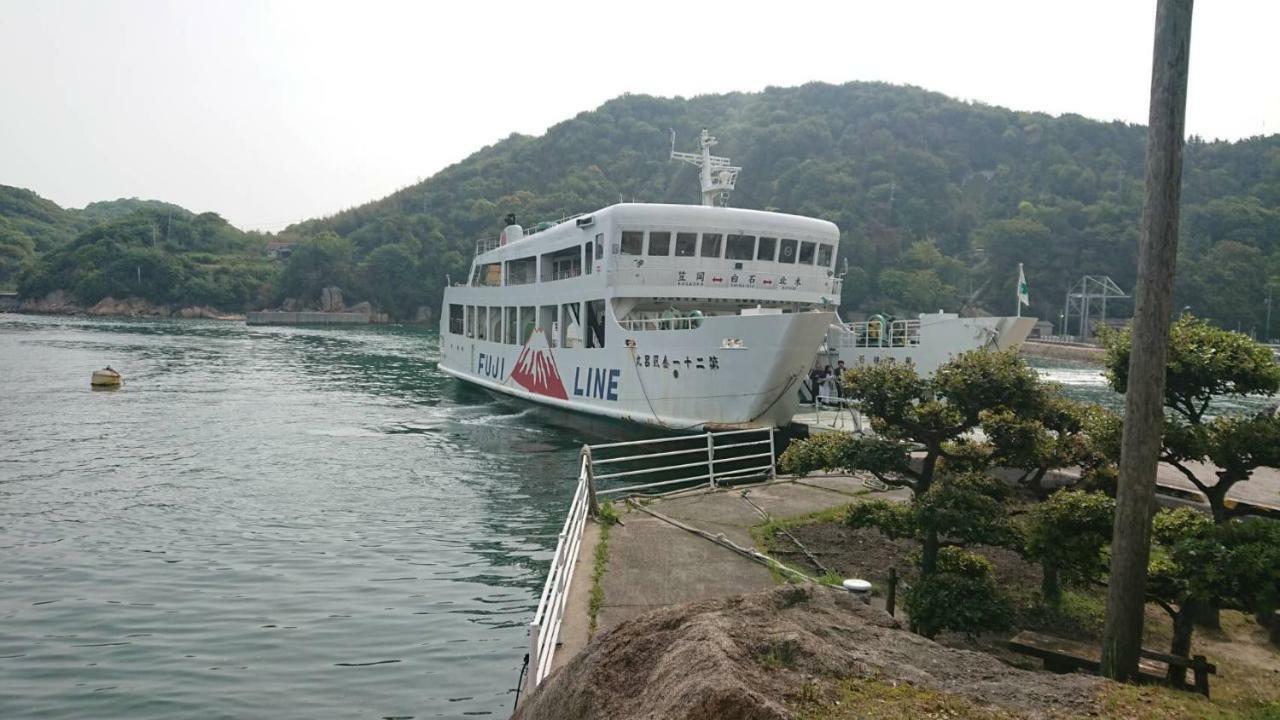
(1064, 351)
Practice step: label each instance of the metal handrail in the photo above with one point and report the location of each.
(544, 630)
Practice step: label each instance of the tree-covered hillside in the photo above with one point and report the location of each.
(157, 252)
(937, 199)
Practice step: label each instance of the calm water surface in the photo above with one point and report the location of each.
(263, 522)
(279, 522)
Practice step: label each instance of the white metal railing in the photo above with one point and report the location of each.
(755, 458)
(877, 333)
(715, 464)
(544, 631)
(662, 323)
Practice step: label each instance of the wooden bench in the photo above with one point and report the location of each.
(1063, 656)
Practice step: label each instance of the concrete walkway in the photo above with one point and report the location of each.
(653, 564)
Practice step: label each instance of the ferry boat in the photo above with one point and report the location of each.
(924, 342)
(684, 317)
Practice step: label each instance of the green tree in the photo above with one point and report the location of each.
(1196, 563)
(325, 260)
(1066, 534)
(392, 280)
(1206, 362)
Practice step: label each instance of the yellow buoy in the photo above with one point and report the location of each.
(106, 378)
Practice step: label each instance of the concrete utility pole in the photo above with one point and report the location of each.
(1144, 401)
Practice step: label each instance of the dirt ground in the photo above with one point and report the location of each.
(759, 656)
(1249, 666)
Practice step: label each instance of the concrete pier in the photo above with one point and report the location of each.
(654, 564)
(273, 317)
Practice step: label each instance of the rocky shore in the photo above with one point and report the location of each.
(60, 302)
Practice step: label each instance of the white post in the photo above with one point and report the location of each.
(773, 460)
(711, 459)
(531, 676)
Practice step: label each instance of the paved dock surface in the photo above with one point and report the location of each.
(653, 564)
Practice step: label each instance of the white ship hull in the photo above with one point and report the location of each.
(676, 380)
(926, 343)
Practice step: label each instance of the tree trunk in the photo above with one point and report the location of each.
(929, 552)
(1183, 627)
(1050, 586)
(1208, 615)
(1144, 401)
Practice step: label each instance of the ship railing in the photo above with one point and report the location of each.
(718, 458)
(881, 334)
(485, 244)
(661, 323)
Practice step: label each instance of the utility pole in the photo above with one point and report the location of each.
(1153, 305)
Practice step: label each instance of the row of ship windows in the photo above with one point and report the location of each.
(562, 324)
(729, 247)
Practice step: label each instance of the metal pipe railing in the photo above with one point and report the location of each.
(544, 630)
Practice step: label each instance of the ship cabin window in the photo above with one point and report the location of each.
(494, 333)
(562, 264)
(482, 321)
(711, 245)
(455, 319)
(547, 321)
(826, 253)
(600, 246)
(595, 323)
(788, 253)
(686, 244)
(509, 336)
(587, 260)
(489, 274)
(659, 243)
(740, 247)
(522, 271)
(766, 249)
(806, 252)
(471, 321)
(528, 321)
(632, 242)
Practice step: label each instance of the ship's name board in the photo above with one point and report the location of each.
(735, 279)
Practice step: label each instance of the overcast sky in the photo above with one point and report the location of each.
(272, 112)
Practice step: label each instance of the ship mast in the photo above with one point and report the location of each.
(716, 174)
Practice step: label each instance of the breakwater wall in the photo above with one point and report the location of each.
(272, 317)
(1064, 351)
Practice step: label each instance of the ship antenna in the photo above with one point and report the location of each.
(716, 173)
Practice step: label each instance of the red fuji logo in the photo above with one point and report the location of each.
(535, 369)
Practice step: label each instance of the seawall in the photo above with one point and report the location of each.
(276, 317)
(1064, 351)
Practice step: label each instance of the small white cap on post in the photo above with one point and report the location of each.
(857, 586)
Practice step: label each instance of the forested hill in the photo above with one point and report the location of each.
(937, 199)
(147, 249)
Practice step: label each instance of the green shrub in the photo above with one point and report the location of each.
(961, 596)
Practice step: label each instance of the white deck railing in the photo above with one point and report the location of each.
(544, 631)
(876, 334)
(751, 457)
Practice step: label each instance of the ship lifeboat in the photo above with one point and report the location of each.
(106, 378)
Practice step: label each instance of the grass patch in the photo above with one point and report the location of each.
(1151, 702)
(599, 562)
(608, 514)
(866, 699)
(765, 534)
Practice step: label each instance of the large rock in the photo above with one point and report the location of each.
(129, 307)
(331, 300)
(363, 307)
(747, 656)
(58, 302)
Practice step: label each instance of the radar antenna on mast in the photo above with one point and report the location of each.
(716, 174)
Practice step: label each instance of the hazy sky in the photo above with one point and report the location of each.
(272, 112)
